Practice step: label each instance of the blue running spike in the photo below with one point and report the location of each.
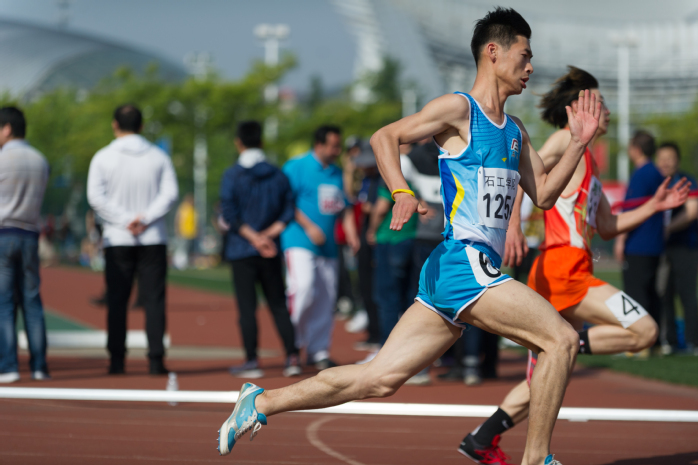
(245, 418)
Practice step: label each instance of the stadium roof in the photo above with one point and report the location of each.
(37, 59)
(432, 41)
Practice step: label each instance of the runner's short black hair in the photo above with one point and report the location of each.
(565, 90)
(15, 118)
(645, 142)
(320, 136)
(502, 25)
(250, 134)
(671, 145)
(129, 118)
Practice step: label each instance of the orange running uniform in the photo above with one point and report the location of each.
(563, 273)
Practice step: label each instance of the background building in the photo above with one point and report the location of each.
(36, 59)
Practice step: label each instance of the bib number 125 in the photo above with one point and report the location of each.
(496, 194)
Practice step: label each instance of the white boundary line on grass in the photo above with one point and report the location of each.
(352, 408)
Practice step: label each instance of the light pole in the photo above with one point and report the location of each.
(271, 35)
(624, 42)
(199, 65)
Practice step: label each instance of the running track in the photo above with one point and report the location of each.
(63, 432)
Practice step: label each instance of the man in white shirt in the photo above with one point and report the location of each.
(132, 185)
(23, 178)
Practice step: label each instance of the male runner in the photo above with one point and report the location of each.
(563, 273)
(483, 150)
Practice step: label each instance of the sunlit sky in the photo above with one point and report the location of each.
(319, 37)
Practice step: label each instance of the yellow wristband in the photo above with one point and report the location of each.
(397, 191)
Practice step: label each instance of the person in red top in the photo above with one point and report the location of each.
(563, 273)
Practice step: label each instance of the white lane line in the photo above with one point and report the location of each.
(311, 433)
(353, 408)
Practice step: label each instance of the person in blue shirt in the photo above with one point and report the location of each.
(639, 250)
(256, 206)
(309, 243)
(682, 256)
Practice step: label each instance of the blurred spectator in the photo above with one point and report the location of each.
(91, 248)
(367, 196)
(346, 261)
(132, 185)
(393, 287)
(309, 243)
(256, 205)
(421, 170)
(639, 250)
(186, 220)
(47, 251)
(682, 257)
(23, 178)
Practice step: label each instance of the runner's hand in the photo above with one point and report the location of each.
(583, 117)
(667, 199)
(405, 206)
(515, 247)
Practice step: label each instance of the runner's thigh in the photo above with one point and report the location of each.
(515, 311)
(419, 338)
(596, 308)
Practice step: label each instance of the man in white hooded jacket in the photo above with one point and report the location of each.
(132, 185)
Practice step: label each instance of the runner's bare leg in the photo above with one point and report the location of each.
(515, 311)
(609, 336)
(419, 338)
(516, 403)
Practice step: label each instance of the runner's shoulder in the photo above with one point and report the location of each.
(524, 133)
(454, 105)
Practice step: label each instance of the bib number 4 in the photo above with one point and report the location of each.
(496, 194)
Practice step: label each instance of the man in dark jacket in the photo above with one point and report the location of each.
(256, 205)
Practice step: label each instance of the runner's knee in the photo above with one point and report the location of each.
(565, 340)
(645, 334)
(380, 385)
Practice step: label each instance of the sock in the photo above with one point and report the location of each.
(498, 423)
(584, 346)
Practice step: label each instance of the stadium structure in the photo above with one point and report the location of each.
(36, 59)
(432, 42)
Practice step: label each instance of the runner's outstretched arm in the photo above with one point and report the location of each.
(609, 225)
(439, 115)
(545, 188)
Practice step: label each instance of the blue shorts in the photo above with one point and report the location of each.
(455, 275)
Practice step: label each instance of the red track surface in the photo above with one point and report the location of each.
(59, 432)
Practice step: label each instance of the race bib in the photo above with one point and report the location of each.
(593, 200)
(330, 199)
(484, 271)
(496, 191)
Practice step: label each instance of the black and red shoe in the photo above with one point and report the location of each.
(478, 453)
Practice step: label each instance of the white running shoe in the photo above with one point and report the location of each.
(358, 323)
(249, 369)
(40, 376)
(10, 377)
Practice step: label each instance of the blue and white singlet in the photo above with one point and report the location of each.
(478, 188)
(478, 185)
